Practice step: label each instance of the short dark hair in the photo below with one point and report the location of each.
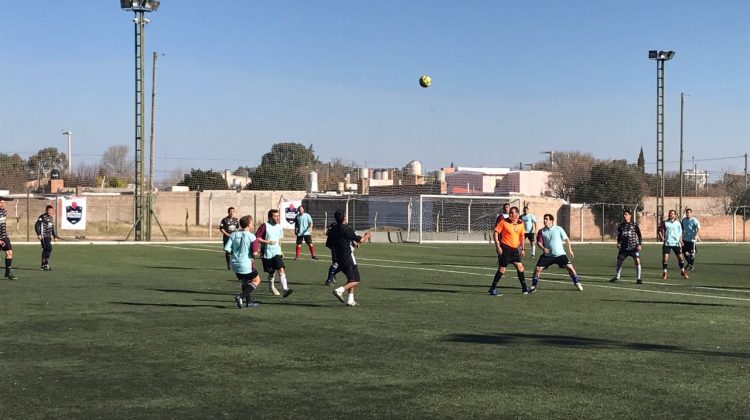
(272, 212)
(245, 221)
(688, 210)
(506, 204)
(49, 206)
(514, 208)
(230, 209)
(339, 216)
(627, 212)
(549, 216)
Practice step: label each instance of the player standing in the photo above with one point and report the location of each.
(690, 228)
(46, 232)
(273, 258)
(670, 231)
(529, 222)
(504, 213)
(341, 237)
(629, 240)
(334, 267)
(227, 226)
(5, 244)
(551, 239)
(303, 226)
(509, 236)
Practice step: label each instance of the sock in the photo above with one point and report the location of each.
(351, 297)
(247, 289)
(340, 289)
(534, 281)
(664, 267)
(8, 263)
(618, 270)
(270, 281)
(533, 249)
(682, 265)
(638, 272)
(282, 278)
(332, 271)
(498, 275)
(522, 280)
(296, 251)
(226, 256)
(575, 278)
(312, 250)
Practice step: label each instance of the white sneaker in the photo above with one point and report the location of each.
(339, 295)
(274, 291)
(579, 286)
(352, 303)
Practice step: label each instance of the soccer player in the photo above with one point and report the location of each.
(227, 226)
(690, 228)
(629, 242)
(239, 246)
(341, 237)
(551, 239)
(529, 222)
(334, 267)
(509, 236)
(303, 226)
(46, 232)
(670, 231)
(5, 244)
(504, 214)
(273, 258)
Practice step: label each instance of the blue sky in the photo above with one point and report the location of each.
(510, 79)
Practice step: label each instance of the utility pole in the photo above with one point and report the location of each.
(682, 119)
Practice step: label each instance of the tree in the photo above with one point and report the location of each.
(117, 162)
(641, 162)
(284, 167)
(12, 173)
(199, 180)
(571, 169)
(45, 160)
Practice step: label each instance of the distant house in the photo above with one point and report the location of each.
(494, 181)
(235, 180)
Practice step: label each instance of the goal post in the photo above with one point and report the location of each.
(459, 218)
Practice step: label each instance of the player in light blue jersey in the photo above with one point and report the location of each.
(551, 239)
(670, 231)
(690, 228)
(303, 226)
(239, 246)
(273, 258)
(529, 223)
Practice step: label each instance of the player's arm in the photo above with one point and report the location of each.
(521, 237)
(570, 247)
(660, 233)
(366, 237)
(496, 238)
(38, 228)
(640, 237)
(540, 241)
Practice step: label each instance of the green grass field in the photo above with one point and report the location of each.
(152, 331)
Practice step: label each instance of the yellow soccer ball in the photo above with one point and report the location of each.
(425, 81)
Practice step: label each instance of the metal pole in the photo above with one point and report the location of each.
(682, 117)
(153, 110)
(660, 139)
(746, 170)
(139, 129)
(70, 150)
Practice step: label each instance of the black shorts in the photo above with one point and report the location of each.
(530, 236)
(225, 239)
(6, 246)
(624, 253)
(247, 276)
(307, 239)
(350, 270)
(272, 264)
(688, 247)
(509, 256)
(666, 249)
(545, 261)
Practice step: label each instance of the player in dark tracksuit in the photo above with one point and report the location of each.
(334, 268)
(45, 231)
(228, 225)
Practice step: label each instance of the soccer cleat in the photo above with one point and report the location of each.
(10, 276)
(532, 289)
(46, 268)
(614, 279)
(288, 292)
(691, 267)
(579, 286)
(684, 275)
(638, 281)
(495, 292)
(274, 291)
(352, 303)
(664, 275)
(251, 304)
(315, 257)
(339, 296)
(330, 282)
(526, 291)
(229, 267)
(238, 301)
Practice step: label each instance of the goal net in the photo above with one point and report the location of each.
(457, 218)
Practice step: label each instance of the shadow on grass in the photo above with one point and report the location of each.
(167, 267)
(197, 292)
(723, 287)
(484, 286)
(664, 302)
(583, 343)
(419, 289)
(169, 305)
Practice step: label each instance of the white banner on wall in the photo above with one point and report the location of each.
(73, 213)
(288, 211)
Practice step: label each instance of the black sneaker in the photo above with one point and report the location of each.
(532, 289)
(288, 292)
(495, 292)
(315, 257)
(46, 268)
(614, 280)
(251, 304)
(10, 276)
(638, 281)
(330, 282)
(238, 301)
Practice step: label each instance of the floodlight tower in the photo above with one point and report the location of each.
(660, 57)
(140, 8)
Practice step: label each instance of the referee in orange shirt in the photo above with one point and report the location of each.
(509, 236)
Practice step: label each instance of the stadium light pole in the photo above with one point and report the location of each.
(551, 154)
(661, 57)
(70, 150)
(139, 8)
(682, 126)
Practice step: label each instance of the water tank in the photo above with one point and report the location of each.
(414, 168)
(54, 174)
(364, 173)
(385, 175)
(377, 174)
(341, 187)
(313, 184)
(441, 176)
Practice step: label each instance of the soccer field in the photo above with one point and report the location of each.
(152, 331)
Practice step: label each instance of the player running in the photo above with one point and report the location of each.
(5, 244)
(272, 257)
(670, 231)
(629, 240)
(529, 222)
(239, 246)
(508, 237)
(341, 237)
(551, 239)
(690, 228)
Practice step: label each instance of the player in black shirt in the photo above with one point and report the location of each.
(5, 244)
(45, 231)
(629, 242)
(228, 225)
(341, 236)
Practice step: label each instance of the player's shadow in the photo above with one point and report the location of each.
(665, 302)
(167, 267)
(461, 285)
(169, 305)
(723, 287)
(419, 289)
(583, 343)
(197, 292)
